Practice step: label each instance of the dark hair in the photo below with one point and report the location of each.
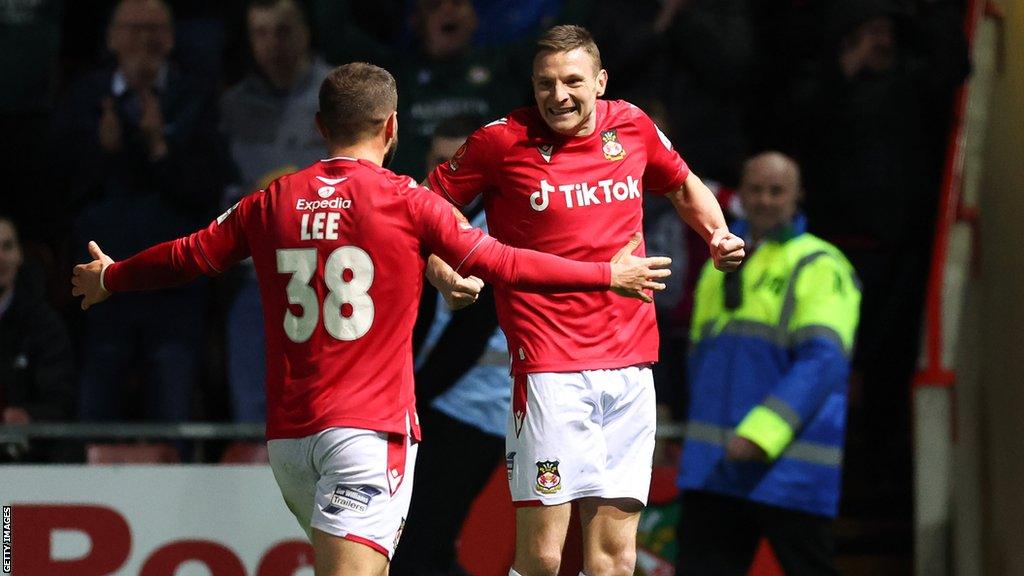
(269, 4)
(355, 99)
(117, 7)
(567, 37)
(460, 126)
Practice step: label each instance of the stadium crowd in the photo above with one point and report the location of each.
(136, 121)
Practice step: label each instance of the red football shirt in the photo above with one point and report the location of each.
(578, 197)
(338, 250)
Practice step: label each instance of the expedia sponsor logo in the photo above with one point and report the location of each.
(584, 194)
(338, 203)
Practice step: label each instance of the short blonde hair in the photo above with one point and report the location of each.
(568, 37)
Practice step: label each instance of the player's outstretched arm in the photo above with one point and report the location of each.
(87, 279)
(699, 208)
(528, 270)
(165, 265)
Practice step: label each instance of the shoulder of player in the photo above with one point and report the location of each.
(621, 110)
(504, 132)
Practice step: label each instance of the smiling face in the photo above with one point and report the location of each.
(769, 192)
(141, 37)
(566, 86)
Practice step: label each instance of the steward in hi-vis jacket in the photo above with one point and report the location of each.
(768, 375)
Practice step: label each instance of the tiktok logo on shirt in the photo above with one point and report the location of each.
(584, 194)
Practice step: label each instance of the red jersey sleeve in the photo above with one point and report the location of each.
(470, 251)
(472, 167)
(208, 251)
(665, 171)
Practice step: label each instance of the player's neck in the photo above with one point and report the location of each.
(362, 151)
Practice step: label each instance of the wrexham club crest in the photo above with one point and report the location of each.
(611, 146)
(548, 480)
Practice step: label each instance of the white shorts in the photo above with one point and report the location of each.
(581, 434)
(355, 484)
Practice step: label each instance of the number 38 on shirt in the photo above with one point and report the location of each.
(347, 309)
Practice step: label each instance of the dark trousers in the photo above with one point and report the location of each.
(157, 335)
(718, 536)
(454, 463)
(246, 345)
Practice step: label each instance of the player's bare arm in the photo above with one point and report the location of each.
(699, 208)
(87, 279)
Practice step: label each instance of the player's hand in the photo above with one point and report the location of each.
(464, 291)
(740, 448)
(632, 275)
(458, 292)
(85, 280)
(726, 250)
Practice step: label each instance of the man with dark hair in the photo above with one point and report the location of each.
(338, 249)
(566, 176)
(267, 119)
(147, 166)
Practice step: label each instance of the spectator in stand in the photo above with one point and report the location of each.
(768, 376)
(147, 165)
(447, 77)
(267, 120)
(868, 128)
(36, 362)
(448, 137)
(463, 389)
